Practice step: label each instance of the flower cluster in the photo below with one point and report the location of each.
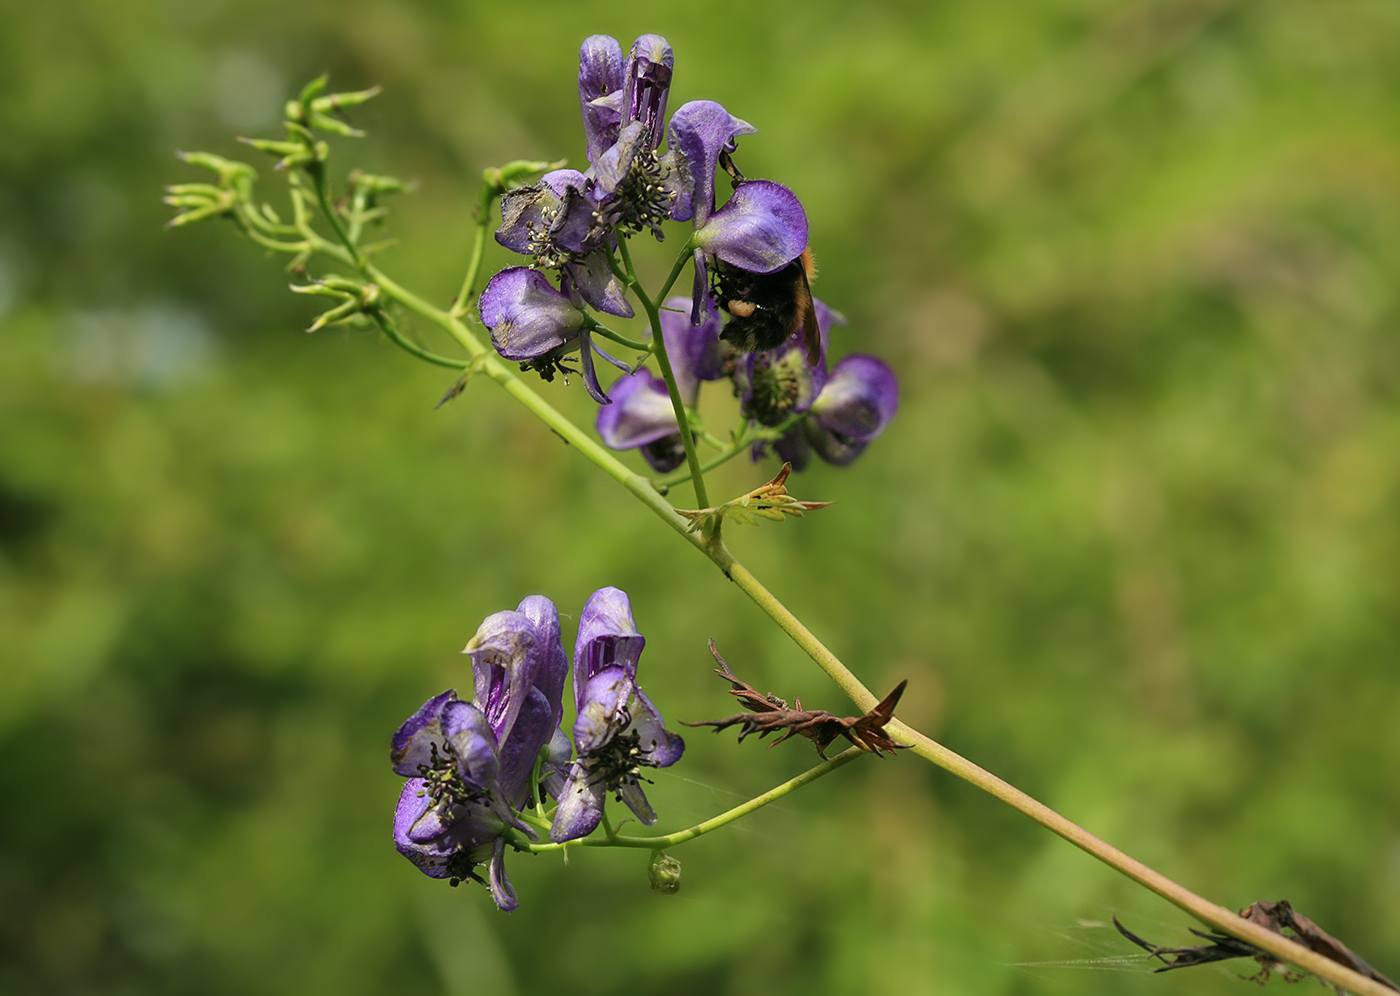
(569, 223)
(834, 413)
(750, 316)
(475, 769)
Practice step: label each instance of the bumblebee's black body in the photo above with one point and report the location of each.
(766, 308)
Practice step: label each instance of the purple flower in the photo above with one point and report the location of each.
(601, 71)
(776, 384)
(468, 764)
(641, 414)
(857, 402)
(761, 230)
(554, 221)
(538, 326)
(618, 731)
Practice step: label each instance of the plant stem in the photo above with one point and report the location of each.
(465, 296)
(658, 341)
(614, 839)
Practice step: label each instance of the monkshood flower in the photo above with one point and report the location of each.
(554, 222)
(761, 229)
(641, 414)
(537, 326)
(633, 188)
(859, 399)
(468, 764)
(776, 384)
(618, 731)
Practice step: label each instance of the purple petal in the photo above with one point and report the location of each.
(473, 743)
(580, 806)
(595, 282)
(501, 889)
(631, 793)
(700, 130)
(827, 318)
(528, 214)
(430, 857)
(412, 746)
(602, 713)
(693, 349)
(663, 748)
(792, 448)
(527, 317)
(641, 413)
(555, 768)
(600, 79)
(533, 729)
(553, 666)
(700, 288)
(859, 399)
(590, 373)
(762, 228)
(607, 637)
(505, 659)
(647, 86)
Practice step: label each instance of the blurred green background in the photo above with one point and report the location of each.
(1132, 537)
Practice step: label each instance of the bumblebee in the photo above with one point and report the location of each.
(765, 308)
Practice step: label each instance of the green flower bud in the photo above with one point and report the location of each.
(665, 873)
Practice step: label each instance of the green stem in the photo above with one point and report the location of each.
(613, 839)
(621, 340)
(481, 219)
(740, 445)
(317, 172)
(392, 331)
(658, 341)
(686, 253)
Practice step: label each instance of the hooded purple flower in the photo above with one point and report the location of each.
(760, 230)
(468, 764)
(538, 326)
(856, 404)
(618, 731)
(776, 384)
(641, 414)
(554, 222)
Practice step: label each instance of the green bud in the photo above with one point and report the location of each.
(335, 126)
(272, 147)
(517, 172)
(372, 184)
(339, 313)
(664, 873)
(313, 89)
(335, 101)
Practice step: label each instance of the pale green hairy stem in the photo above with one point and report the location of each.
(709, 542)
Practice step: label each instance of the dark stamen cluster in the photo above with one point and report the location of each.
(619, 762)
(539, 243)
(776, 390)
(443, 780)
(642, 202)
(547, 366)
(460, 868)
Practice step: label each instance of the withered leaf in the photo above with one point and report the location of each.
(769, 714)
(768, 501)
(1278, 917)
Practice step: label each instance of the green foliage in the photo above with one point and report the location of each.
(1131, 537)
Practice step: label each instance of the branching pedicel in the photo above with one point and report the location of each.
(480, 774)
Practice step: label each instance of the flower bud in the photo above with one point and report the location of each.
(664, 873)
